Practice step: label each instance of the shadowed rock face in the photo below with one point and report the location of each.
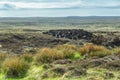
(74, 34)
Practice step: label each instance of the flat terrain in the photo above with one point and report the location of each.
(96, 23)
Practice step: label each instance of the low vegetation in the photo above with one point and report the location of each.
(2, 56)
(28, 57)
(91, 50)
(47, 55)
(20, 66)
(14, 67)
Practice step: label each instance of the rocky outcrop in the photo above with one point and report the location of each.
(74, 34)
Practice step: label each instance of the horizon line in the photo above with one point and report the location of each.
(55, 16)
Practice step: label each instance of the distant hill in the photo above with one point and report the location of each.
(93, 16)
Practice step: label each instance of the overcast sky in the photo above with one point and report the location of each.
(58, 8)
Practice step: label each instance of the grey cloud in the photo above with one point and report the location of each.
(7, 7)
(72, 4)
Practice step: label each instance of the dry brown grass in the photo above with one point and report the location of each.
(2, 56)
(94, 50)
(66, 46)
(51, 54)
(14, 67)
(68, 50)
(48, 55)
(27, 57)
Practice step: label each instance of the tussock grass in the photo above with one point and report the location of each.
(27, 57)
(67, 46)
(14, 67)
(18, 65)
(92, 50)
(48, 55)
(2, 56)
(68, 50)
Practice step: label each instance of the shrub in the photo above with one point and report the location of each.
(27, 57)
(94, 50)
(14, 67)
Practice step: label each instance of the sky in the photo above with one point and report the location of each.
(59, 8)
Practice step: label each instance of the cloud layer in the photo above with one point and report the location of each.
(42, 4)
(57, 8)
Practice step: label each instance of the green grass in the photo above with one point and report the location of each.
(95, 73)
(60, 52)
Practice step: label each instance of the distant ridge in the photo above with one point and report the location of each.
(91, 16)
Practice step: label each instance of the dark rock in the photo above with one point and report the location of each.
(74, 34)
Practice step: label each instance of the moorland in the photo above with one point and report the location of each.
(60, 48)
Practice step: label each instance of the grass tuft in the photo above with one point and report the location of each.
(92, 50)
(27, 57)
(2, 56)
(46, 55)
(14, 67)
